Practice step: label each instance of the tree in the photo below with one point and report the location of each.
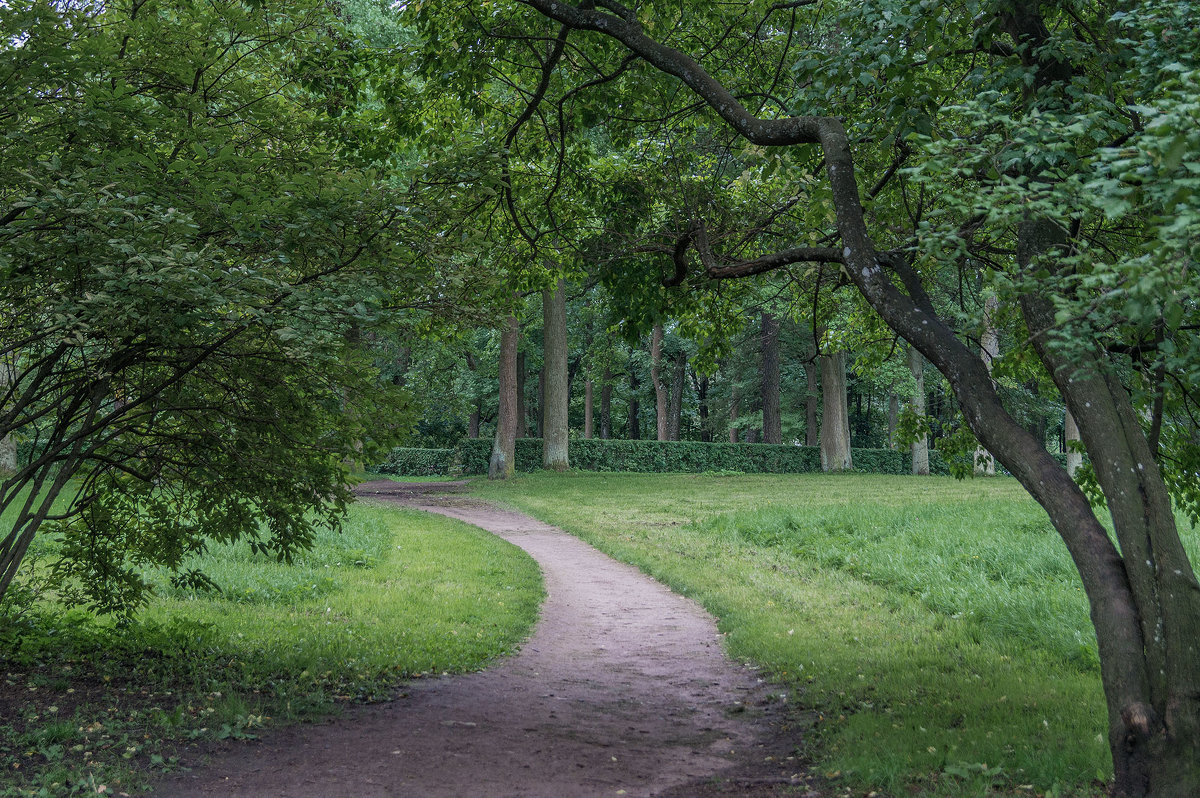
(557, 393)
(185, 243)
(1024, 154)
(835, 416)
(771, 411)
(504, 447)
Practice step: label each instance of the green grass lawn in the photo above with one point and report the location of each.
(398, 594)
(936, 627)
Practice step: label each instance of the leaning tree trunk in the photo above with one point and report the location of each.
(835, 418)
(920, 447)
(557, 397)
(660, 390)
(504, 447)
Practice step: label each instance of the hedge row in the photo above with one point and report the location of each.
(471, 457)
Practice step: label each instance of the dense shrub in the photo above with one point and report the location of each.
(471, 457)
(417, 462)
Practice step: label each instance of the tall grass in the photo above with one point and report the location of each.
(933, 628)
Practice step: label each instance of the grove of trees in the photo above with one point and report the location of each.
(244, 246)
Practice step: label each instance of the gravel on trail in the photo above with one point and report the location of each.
(622, 689)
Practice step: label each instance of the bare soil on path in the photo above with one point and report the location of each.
(623, 689)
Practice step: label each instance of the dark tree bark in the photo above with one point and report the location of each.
(835, 416)
(541, 403)
(660, 390)
(504, 447)
(706, 435)
(771, 411)
(587, 410)
(556, 391)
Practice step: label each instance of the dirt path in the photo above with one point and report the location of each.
(623, 689)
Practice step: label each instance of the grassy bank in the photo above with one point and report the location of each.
(399, 594)
(935, 627)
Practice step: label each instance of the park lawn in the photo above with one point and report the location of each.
(936, 628)
(399, 594)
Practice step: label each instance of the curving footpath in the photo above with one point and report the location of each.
(623, 689)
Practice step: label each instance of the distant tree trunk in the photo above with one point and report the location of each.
(587, 410)
(557, 393)
(675, 411)
(752, 435)
(634, 429)
(733, 414)
(1070, 437)
(835, 418)
(989, 350)
(522, 416)
(401, 363)
(504, 447)
(660, 390)
(772, 423)
(702, 395)
(920, 448)
(541, 402)
(606, 389)
(473, 419)
(811, 429)
(893, 418)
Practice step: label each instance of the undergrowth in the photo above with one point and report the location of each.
(87, 704)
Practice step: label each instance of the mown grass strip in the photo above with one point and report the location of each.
(934, 626)
(399, 594)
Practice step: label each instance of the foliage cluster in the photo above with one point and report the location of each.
(397, 595)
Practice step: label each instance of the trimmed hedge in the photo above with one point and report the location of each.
(471, 457)
(418, 462)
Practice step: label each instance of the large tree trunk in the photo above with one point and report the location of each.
(606, 389)
(557, 398)
(812, 430)
(772, 422)
(660, 390)
(504, 447)
(835, 416)
(675, 408)
(920, 447)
